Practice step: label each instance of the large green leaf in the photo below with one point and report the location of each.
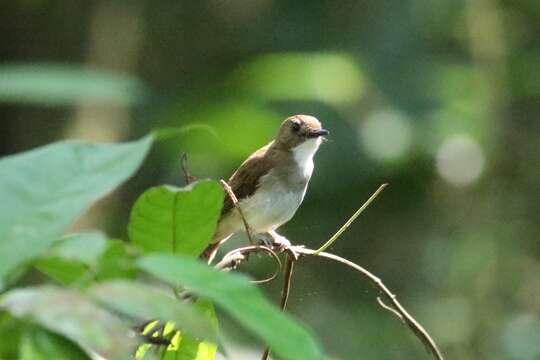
(176, 220)
(44, 190)
(55, 84)
(236, 295)
(143, 302)
(69, 313)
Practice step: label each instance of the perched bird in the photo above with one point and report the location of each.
(270, 185)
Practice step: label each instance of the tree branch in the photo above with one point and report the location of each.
(188, 178)
(227, 188)
(287, 279)
(395, 306)
(232, 259)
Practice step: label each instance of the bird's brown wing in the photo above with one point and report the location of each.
(245, 179)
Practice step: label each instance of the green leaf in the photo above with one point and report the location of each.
(70, 264)
(181, 221)
(236, 295)
(143, 302)
(38, 344)
(55, 84)
(12, 329)
(70, 259)
(64, 271)
(83, 247)
(44, 190)
(118, 261)
(70, 314)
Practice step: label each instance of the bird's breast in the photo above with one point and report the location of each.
(273, 204)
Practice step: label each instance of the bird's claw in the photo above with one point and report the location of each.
(281, 242)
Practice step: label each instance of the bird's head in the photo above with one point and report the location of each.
(298, 129)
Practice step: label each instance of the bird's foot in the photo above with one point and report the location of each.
(265, 239)
(284, 245)
(281, 242)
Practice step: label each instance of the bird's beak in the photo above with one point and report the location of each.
(317, 133)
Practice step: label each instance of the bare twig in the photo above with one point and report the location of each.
(287, 282)
(351, 220)
(389, 308)
(183, 165)
(232, 259)
(284, 292)
(399, 310)
(395, 307)
(227, 188)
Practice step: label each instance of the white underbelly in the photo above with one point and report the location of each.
(268, 209)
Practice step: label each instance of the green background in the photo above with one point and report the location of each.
(441, 99)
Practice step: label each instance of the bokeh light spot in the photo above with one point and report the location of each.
(386, 135)
(460, 160)
(331, 78)
(522, 337)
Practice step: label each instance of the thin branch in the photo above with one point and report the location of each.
(389, 308)
(395, 307)
(229, 190)
(233, 258)
(183, 165)
(287, 282)
(351, 220)
(284, 292)
(416, 328)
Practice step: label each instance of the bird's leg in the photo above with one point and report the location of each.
(281, 241)
(265, 238)
(284, 244)
(273, 239)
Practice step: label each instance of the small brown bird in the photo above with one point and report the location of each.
(270, 185)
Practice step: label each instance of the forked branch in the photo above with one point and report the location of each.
(237, 256)
(234, 258)
(392, 305)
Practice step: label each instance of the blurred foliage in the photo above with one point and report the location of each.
(440, 99)
(38, 215)
(240, 299)
(66, 85)
(330, 78)
(103, 317)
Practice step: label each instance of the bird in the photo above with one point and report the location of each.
(271, 184)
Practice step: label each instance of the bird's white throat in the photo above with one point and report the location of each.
(303, 155)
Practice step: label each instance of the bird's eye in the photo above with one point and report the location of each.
(296, 127)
